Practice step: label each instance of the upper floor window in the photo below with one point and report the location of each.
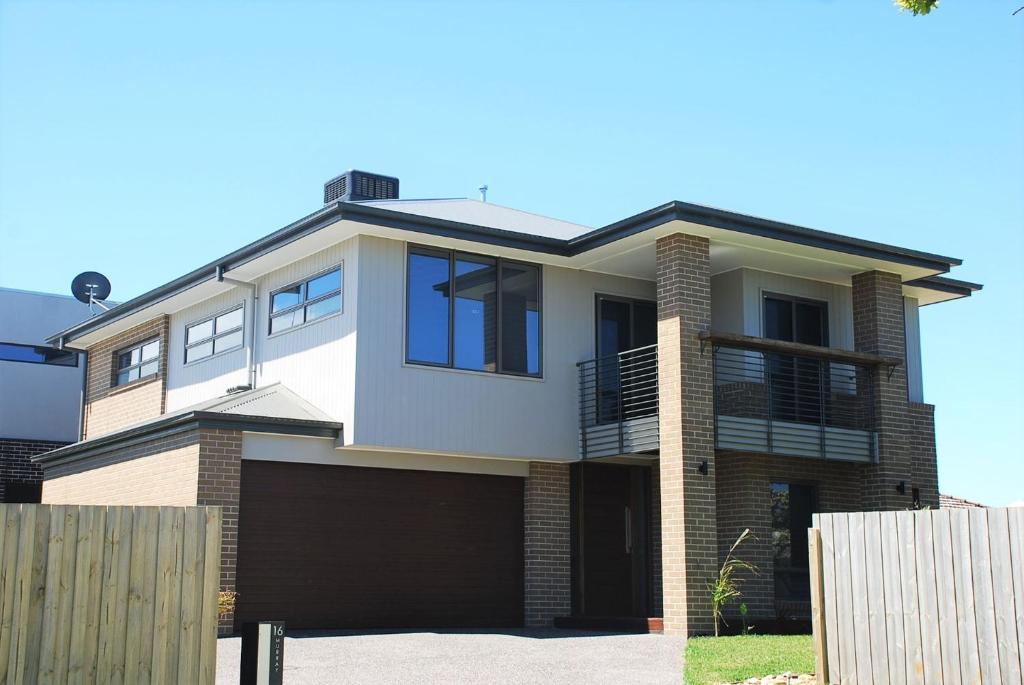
(468, 311)
(306, 301)
(138, 362)
(795, 319)
(37, 354)
(220, 333)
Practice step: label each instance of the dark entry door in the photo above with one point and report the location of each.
(793, 505)
(611, 535)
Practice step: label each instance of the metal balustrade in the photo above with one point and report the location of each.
(794, 405)
(619, 404)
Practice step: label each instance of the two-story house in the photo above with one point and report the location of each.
(452, 413)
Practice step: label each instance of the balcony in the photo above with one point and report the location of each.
(619, 404)
(795, 400)
(770, 397)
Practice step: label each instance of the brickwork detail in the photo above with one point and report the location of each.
(109, 407)
(744, 501)
(878, 328)
(220, 473)
(689, 553)
(547, 574)
(16, 461)
(159, 472)
(923, 457)
(657, 605)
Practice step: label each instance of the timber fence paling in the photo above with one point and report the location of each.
(94, 594)
(919, 597)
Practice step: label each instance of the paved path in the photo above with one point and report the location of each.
(551, 657)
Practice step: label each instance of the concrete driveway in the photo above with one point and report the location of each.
(552, 657)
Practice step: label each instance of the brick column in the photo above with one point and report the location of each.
(689, 556)
(923, 459)
(878, 328)
(220, 470)
(547, 573)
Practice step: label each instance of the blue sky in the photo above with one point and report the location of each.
(144, 139)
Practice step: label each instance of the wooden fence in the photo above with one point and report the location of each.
(93, 594)
(929, 597)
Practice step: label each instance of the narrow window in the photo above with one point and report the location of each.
(476, 313)
(520, 318)
(37, 354)
(792, 507)
(306, 301)
(473, 312)
(428, 308)
(138, 362)
(220, 333)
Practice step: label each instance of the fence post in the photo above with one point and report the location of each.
(817, 608)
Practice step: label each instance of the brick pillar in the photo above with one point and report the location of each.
(547, 573)
(220, 470)
(689, 556)
(923, 458)
(878, 328)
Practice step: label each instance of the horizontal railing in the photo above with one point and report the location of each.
(794, 404)
(618, 397)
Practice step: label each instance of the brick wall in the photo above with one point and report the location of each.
(109, 407)
(547, 573)
(163, 471)
(220, 472)
(878, 328)
(689, 557)
(16, 464)
(744, 501)
(657, 605)
(923, 458)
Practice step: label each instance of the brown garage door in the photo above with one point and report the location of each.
(347, 547)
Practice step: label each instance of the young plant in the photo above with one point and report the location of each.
(747, 628)
(725, 590)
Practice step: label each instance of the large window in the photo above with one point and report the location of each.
(471, 312)
(221, 333)
(306, 301)
(798, 388)
(37, 354)
(138, 362)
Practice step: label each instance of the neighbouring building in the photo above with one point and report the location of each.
(40, 387)
(424, 413)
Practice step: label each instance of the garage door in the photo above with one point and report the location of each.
(347, 547)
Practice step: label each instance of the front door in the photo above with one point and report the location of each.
(610, 516)
(793, 505)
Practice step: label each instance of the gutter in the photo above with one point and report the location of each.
(250, 349)
(179, 423)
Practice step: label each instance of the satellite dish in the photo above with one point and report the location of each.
(91, 287)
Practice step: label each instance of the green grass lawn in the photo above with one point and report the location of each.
(711, 660)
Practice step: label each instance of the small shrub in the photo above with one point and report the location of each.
(225, 603)
(725, 589)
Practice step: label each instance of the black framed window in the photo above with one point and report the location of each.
(474, 312)
(306, 301)
(795, 319)
(220, 333)
(138, 362)
(37, 354)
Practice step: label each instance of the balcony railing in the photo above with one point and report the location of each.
(770, 397)
(619, 404)
(817, 404)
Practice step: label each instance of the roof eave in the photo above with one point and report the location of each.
(177, 423)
